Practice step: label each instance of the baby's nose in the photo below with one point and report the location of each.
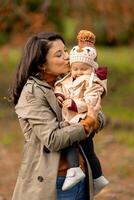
(80, 72)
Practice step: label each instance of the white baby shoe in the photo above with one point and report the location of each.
(73, 176)
(99, 184)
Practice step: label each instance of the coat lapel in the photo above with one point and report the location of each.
(53, 103)
(50, 98)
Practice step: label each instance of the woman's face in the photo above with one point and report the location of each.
(57, 59)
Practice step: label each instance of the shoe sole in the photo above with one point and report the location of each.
(73, 184)
(101, 188)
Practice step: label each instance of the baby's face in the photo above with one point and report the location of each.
(78, 69)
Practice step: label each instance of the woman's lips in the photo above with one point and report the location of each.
(67, 64)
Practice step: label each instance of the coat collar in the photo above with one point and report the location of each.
(69, 82)
(40, 82)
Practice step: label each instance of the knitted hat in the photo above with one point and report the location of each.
(85, 51)
(85, 55)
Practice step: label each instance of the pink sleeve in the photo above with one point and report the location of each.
(102, 72)
(73, 106)
(60, 95)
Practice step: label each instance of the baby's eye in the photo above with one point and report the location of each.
(75, 69)
(83, 69)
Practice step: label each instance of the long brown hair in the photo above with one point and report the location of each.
(32, 60)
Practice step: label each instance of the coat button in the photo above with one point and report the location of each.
(40, 178)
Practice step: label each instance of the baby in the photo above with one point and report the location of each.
(85, 83)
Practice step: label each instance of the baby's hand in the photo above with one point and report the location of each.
(60, 100)
(67, 103)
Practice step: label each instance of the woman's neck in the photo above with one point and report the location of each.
(50, 78)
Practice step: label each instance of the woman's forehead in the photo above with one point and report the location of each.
(56, 45)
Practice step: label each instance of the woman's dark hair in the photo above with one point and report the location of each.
(32, 60)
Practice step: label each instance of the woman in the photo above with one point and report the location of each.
(43, 166)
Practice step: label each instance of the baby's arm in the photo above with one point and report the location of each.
(99, 86)
(78, 105)
(92, 94)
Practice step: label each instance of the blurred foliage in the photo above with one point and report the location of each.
(112, 21)
(120, 82)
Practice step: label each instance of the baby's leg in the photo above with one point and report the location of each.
(72, 155)
(88, 147)
(74, 173)
(98, 179)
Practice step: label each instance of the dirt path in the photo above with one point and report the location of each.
(9, 164)
(117, 162)
(118, 165)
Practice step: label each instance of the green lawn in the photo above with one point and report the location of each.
(118, 104)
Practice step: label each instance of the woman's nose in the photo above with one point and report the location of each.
(66, 56)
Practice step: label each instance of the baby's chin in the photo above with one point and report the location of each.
(75, 77)
(79, 76)
(65, 70)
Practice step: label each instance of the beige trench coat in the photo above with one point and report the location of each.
(39, 116)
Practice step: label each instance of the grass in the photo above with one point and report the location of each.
(119, 58)
(125, 137)
(9, 59)
(120, 97)
(115, 111)
(10, 133)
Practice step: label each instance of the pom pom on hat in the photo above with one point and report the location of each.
(86, 38)
(85, 51)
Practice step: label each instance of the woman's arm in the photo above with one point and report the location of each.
(35, 109)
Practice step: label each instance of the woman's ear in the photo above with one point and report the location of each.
(42, 67)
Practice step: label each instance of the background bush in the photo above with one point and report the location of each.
(112, 21)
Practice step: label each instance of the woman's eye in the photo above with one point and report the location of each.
(58, 54)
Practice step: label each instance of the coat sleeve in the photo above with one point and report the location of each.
(36, 110)
(80, 105)
(91, 95)
(102, 120)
